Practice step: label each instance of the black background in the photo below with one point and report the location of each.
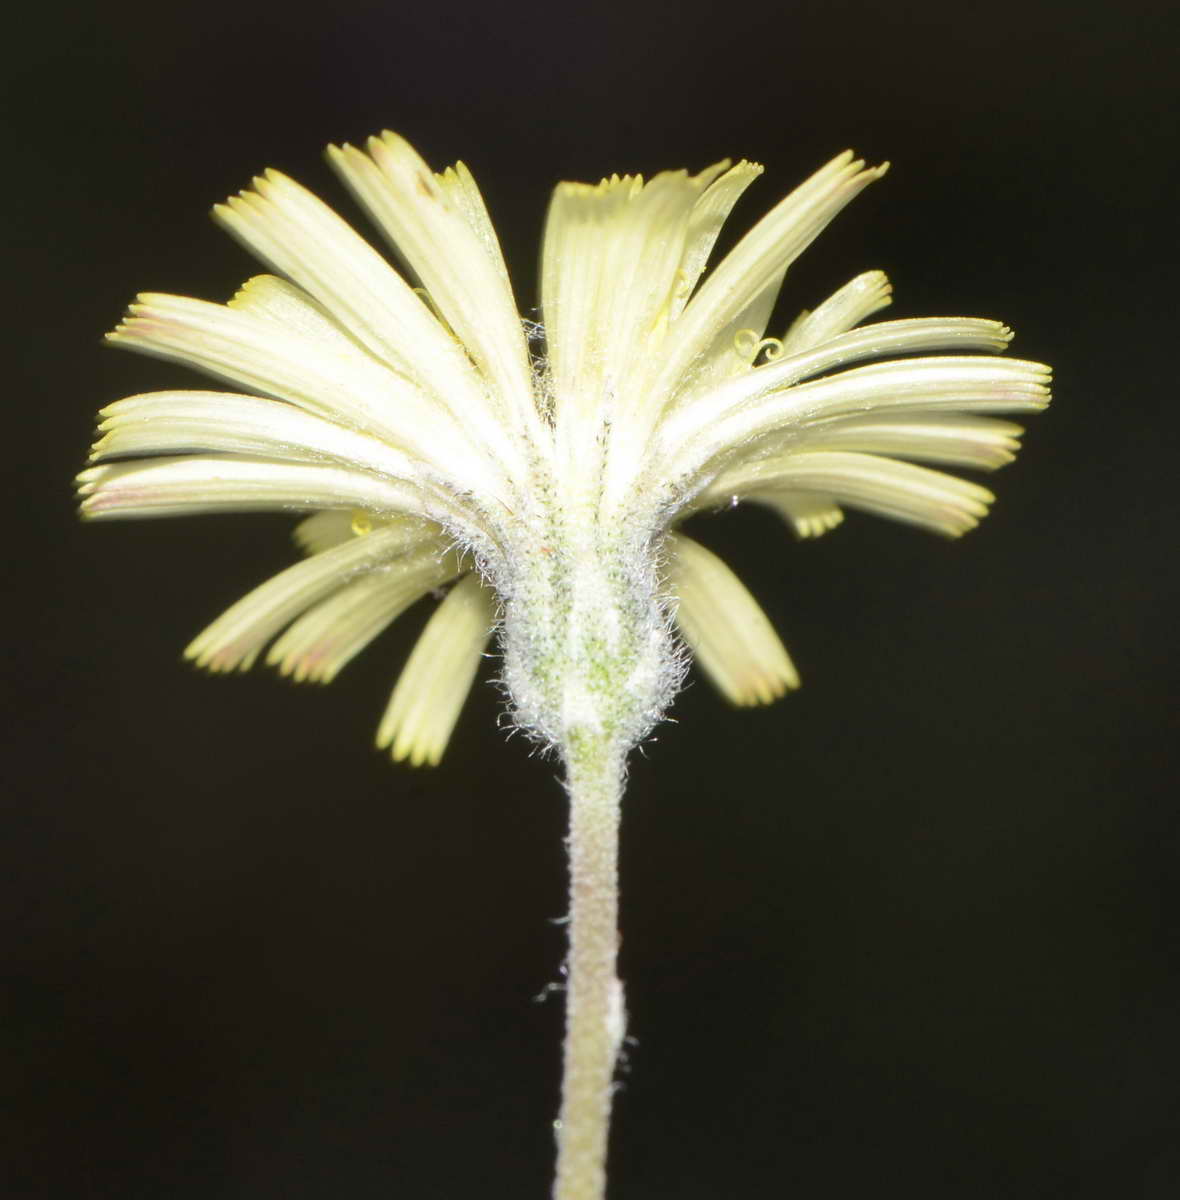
(913, 929)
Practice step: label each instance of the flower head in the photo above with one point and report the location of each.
(431, 448)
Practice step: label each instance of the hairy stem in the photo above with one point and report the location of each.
(595, 1016)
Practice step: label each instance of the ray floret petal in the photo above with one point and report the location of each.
(729, 634)
(433, 686)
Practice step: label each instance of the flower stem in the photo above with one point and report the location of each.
(595, 1016)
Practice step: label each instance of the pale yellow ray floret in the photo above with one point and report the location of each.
(844, 309)
(761, 256)
(234, 640)
(917, 495)
(302, 238)
(437, 677)
(436, 227)
(336, 382)
(724, 627)
(620, 260)
(166, 423)
(752, 402)
(952, 439)
(207, 483)
(298, 235)
(731, 428)
(809, 514)
(743, 282)
(330, 634)
(290, 308)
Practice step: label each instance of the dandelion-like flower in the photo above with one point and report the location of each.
(433, 448)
